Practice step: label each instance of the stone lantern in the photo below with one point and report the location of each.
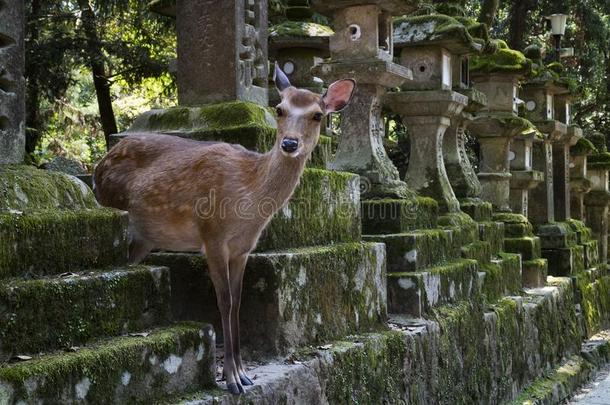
(597, 200)
(298, 46)
(428, 103)
(579, 183)
(497, 76)
(361, 48)
(523, 177)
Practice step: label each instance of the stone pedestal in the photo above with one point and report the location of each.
(462, 176)
(12, 84)
(523, 177)
(361, 48)
(222, 48)
(428, 114)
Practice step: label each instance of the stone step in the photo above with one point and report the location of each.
(417, 250)
(492, 232)
(59, 312)
(325, 208)
(502, 276)
(534, 273)
(290, 298)
(416, 293)
(528, 246)
(51, 241)
(390, 216)
(480, 251)
(565, 261)
(559, 385)
(480, 211)
(170, 361)
(464, 353)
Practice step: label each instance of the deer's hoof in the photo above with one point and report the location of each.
(235, 389)
(245, 380)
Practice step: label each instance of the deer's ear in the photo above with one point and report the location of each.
(280, 79)
(338, 95)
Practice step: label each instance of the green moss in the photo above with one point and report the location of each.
(504, 60)
(595, 302)
(323, 209)
(387, 216)
(77, 309)
(55, 241)
(599, 161)
(528, 246)
(25, 188)
(583, 147)
(300, 29)
(598, 139)
(103, 364)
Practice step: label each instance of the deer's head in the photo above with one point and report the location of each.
(301, 112)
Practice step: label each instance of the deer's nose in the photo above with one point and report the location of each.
(289, 145)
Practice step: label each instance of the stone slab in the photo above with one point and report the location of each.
(52, 241)
(417, 250)
(178, 359)
(565, 262)
(493, 233)
(290, 298)
(478, 210)
(528, 246)
(416, 293)
(65, 311)
(387, 216)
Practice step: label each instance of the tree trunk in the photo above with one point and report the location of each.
(32, 107)
(488, 12)
(519, 23)
(100, 81)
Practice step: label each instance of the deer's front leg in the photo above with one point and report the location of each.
(218, 266)
(237, 266)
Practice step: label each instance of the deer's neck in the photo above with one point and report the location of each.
(280, 176)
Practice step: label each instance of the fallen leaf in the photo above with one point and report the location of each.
(325, 347)
(139, 334)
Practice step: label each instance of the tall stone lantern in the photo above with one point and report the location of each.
(428, 103)
(497, 76)
(523, 176)
(361, 48)
(597, 201)
(579, 183)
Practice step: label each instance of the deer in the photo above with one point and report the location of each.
(187, 195)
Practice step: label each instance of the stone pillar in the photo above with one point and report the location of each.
(523, 177)
(361, 48)
(579, 183)
(561, 172)
(222, 48)
(462, 176)
(12, 84)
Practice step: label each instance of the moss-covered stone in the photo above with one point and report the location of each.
(528, 246)
(477, 209)
(292, 297)
(325, 208)
(122, 370)
(594, 302)
(24, 188)
(493, 233)
(300, 29)
(417, 250)
(565, 261)
(504, 60)
(60, 312)
(534, 273)
(599, 160)
(387, 216)
(52, 241)
(556, 235)
(433, 28)
(479, 251)
(583, 147)
(416, 293)
(502, 277)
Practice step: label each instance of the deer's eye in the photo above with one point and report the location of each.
(318, 116)
(279, 111)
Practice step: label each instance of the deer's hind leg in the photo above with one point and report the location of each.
(237, 266)
(218, 266)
